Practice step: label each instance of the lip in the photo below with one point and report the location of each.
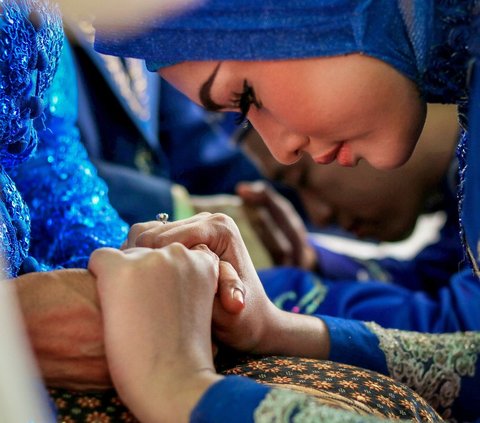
(330, 156)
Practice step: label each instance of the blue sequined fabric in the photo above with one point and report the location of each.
(30, 44)
(68, 209)
(30, 41)
(70, 212)
(15, 227)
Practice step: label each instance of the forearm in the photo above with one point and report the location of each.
(64, 324)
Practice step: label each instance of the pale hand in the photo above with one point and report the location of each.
(260, 327)
(157, 308)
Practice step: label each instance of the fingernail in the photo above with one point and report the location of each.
(238, 295)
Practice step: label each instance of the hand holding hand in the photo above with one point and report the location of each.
(220, 234)
(260, 327)
(157, 310)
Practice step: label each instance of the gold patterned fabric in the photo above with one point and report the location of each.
(338, 385)
(80, 407)
(344, 389)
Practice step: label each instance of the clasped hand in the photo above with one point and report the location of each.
(164, 294)
(241, 309)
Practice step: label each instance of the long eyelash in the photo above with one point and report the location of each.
(244, 100)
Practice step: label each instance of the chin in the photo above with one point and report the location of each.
(390, 161)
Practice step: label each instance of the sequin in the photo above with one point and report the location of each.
(20, 44)
(68, 208)
(70, 211)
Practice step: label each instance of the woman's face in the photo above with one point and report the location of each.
(335, 109)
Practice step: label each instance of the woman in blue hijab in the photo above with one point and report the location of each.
(340, 80)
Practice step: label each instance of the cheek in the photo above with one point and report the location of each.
(385, 151)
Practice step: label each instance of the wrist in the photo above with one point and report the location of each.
(173, 399)
(295, 335)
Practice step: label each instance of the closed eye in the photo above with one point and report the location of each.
(244, 100)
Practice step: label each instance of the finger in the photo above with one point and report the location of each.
(216, 261)
(139, 228)
(274, 239)
(149, 230)
(283, 214)
(217, 231)
(136, 230)
(103, 259)
(204, 249)
(231, 290)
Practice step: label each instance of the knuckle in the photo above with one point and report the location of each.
(224, 222)
(137, 228)
(177, 248)
(204, 214)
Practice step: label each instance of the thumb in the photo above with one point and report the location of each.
(231, 290)
(103, 259)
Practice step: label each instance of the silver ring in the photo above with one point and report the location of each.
(162, 217)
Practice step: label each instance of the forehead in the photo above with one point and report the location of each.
(189, 76)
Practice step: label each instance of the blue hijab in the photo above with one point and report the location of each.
(395, 31)
(432, 42)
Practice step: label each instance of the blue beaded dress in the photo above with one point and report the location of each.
(54, 208)
(436, 44)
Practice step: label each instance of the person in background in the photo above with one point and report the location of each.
(372, 205)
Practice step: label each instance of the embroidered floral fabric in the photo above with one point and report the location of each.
(286, 406)
(312, 391)
(338, 386)
(431, 364)
(92, 407)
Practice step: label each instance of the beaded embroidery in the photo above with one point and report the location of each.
(430, 364)
(30, 41)
(70, 211)
(286, 406)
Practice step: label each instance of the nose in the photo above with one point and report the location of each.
(286, 147)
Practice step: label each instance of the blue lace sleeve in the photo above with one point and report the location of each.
(70, 212)
(443, 368)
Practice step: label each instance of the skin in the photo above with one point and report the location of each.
(369, 203)
(168, 352)
(63, 319)
(260, 327)
(339, 108)
(172, 361)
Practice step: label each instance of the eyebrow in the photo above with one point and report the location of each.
(205, 94)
